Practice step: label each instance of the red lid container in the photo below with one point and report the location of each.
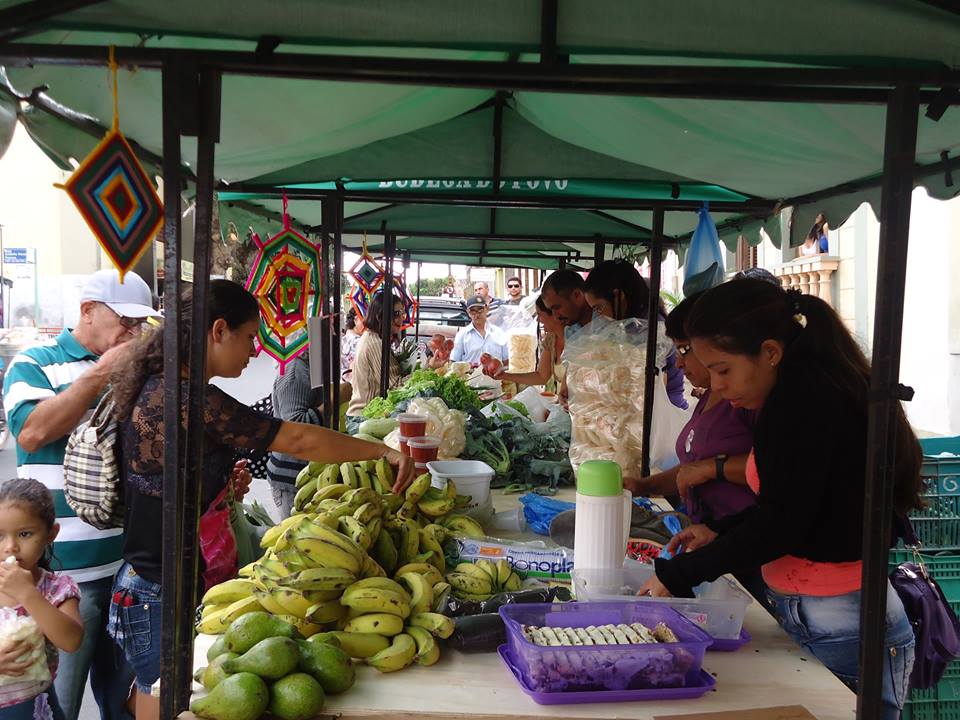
(412, 425)
(423, 449)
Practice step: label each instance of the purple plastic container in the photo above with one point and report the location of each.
(704, 683)
(721, 645)
(592, 668)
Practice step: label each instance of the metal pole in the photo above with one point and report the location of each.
(173, 357)
(653, 312)
(599, 251)
(337, 214)
(386, 321)
(899, 154)
(326, 367)
(416, 330)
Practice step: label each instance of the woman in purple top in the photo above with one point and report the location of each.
(616, 289)
(712, 448)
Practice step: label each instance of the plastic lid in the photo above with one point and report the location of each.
(411, 418)
(427, 441)
(599, 478)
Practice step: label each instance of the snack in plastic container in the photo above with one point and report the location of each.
(14, 628)
(523, 352)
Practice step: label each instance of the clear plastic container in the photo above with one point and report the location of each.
(423, 449)
(412, 425)
(718, 608)
(473, 478)
(581, 668)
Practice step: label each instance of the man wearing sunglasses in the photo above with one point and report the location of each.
(479, 336)
(47, 391)
(514, 291)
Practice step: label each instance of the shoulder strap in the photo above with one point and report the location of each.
(908, 534)
(103, 410)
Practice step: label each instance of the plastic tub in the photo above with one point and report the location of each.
(423, 449)
(472, 477)
(412, 425)
(582, 668)
(510, 520)
(718, 608)
(404, 448)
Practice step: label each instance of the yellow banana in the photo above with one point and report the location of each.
(438, 532)
(303, 477)
(417, 488)
(463, 525)
(384, 474)
(349, 474)
(240, 607)
(361, 645)
(470, 584)
(431, 573)
(401, 653)
(331, 492)
(265, 598)
(305, 494)
(469, 568)
(367, 512)
(210, 609)
(421, 592)
(363, 477)
(490, 569)
(333, 579)
(428, 649)
(247, 570)
(374, 527)
(324, 612)
(211, 625)
(228, 592)
(273, 534)
(451, 490)
(327, 519)
(355, 531)
(435, 503)
(409, 541)
(371, 568)
(360, 496)
(327, 554)
(513, 583)
(316, 530)
(503, 572)
(379, 623)
(305, 627)
(376, 600)
(427, 543)
(441, 591)
(383, 583)
(436, 624)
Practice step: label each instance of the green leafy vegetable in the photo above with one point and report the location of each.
(378, 408)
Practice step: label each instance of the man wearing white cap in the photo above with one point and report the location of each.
(47, 391)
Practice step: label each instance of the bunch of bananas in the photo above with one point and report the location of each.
(480, 580)
(328, 567)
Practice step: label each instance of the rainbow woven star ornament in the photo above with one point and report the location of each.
(285, 279)
(368, 278)
(115, 196)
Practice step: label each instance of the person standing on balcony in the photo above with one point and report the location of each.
(817, 241)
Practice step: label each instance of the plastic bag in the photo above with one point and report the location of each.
(36, 678)
(668, 422)
(606, 368)
(539, 511)
(704, 262)
(522, 350)
(218, 545)
(246, 533)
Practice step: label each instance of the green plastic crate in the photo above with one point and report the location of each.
(938, 525)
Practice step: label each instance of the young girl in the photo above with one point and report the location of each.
(790, 357)
(27, 532)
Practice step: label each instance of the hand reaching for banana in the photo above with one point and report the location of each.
(405, 469)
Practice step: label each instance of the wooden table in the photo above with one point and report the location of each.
(770, 671)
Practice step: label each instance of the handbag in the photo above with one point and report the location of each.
(91, 470)
(218, 544)
(935, 625)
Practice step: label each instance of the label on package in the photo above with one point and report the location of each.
(545, 563)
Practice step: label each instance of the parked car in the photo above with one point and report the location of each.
(439, 316)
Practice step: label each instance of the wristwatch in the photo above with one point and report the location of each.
(721, 461)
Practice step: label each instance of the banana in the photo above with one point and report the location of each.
(322, 532)
(208, 610)
(293, 602)
(513, 583)
(327, 554)
(441, 593)
(429, 544)
(228, 592)
(349, 474)
(469, 568)
(463, 583)
(392, 501)
(461, 501)
(327, 519)
(438, 532)
(383, 583)
(294, 561)
(436, 624)
(463, 525)
(363, 478)
(303, 477)
(379, 623)
(303, 626)
(433, 577)
(384, 552)
(384, 474)
(421, 592)
(247, 570)
(331, 492)
(326, 611)
(376, 484)
(211, 625)
(376, 600)
(273, 534)
(435, 503)
(359, 496)
(374, 528)
(407, 511)
(329, 476)
(428, 649)
(503, 572)
(490, 569)
(355, 531)
(409, 541)
(361, 645)
(401, 653)
(417, 488)
(324, 579)
(305, 494)
(367, 512)
(451, 490)
(371, 568)
(240, 607)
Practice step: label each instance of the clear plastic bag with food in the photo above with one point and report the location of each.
(522, 347)
(606, 363)
(36, 678)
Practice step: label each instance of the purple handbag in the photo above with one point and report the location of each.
(935, 625)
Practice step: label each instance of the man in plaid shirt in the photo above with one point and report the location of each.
(47, 391)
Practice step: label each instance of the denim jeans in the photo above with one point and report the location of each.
(110, 675)
(829, 629)
(283, 496)
(42, 707)
(135, 624)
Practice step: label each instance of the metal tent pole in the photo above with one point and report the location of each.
(336, 214)
(899, 155)
(599, 251)
(173, 357)
(389, 250)
(653, 311)
(416, 332)
(326, 366)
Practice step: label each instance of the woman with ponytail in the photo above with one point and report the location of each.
(790, 357)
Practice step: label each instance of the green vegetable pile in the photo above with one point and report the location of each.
(424, 383)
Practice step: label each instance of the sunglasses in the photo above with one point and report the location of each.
(476, 309)
(513, 287)
(128, 323)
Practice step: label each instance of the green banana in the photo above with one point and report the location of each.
(392, 502)
(384, 474)
(363, 478)
(513, 584)
(490, 569)
(428, 649)
(438, 532)
(431, 573)
(350, 527)
(303, 477)
(401, 653)
(461, 501)
(384, 551)
(435, 503)
(441, 593)
(376, 600)
(371, 568)
(376, 484)
(379, 623)
(330, 475)
(409, 541)
(349, 474)
(367, 512)
(503, 572)
(374, 528)
(326, 518)
(417, 488)
(461, 582)
(331, 492)
(359, 496)
(305, 494)
(463, 525)
(436, 624)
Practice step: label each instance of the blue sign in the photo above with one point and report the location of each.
(15, 256)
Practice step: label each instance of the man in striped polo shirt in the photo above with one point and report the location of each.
(47, 391)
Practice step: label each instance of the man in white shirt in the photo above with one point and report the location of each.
(479, 337)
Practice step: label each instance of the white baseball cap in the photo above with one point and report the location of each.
(131, 298)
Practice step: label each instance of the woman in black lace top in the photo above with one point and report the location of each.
(228, 425)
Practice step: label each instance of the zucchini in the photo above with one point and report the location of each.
(379, 428)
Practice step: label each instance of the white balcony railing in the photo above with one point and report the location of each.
(810, 274)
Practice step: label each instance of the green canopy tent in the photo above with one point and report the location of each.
(792, 114)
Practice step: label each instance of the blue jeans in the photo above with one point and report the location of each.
(42, 707)
(135, 624)
(829, 629)
(110, 675)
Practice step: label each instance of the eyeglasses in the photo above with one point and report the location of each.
(128, 323)
(476, 309)
(682, 350)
